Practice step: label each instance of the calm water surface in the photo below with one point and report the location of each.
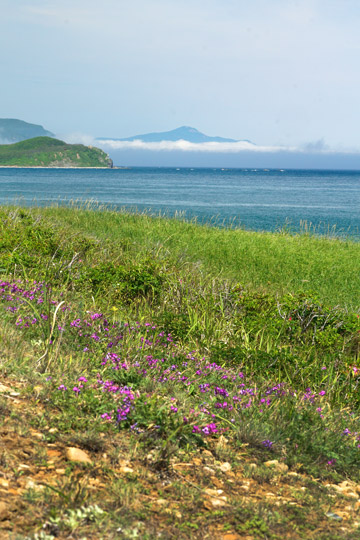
(256, 199)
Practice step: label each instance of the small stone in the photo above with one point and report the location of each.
(332, 515)
(30, 484)
(217, 499)
(217, 482)
(279, 467)
(346, 485)
(294, 474)
(126, 470)
(213, 492)
(345, 488)
(271, 463)
(216, 503)
(75, 454)
(53, 453)
(182, 465)
(225, 467)
(4, 511)
(161, 502)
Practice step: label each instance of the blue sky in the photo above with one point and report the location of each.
(277, 72)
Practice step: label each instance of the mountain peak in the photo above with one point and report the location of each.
(186, 133)
(189, 129)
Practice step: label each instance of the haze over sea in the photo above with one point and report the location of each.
(255, 199)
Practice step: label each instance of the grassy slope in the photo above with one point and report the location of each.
(277, 263)
(49, 152)
(250, 353)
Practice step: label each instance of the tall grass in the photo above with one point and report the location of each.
(273, 262)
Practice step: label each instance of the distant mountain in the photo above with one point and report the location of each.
(50, 152)
(13, 130)
(185, 133)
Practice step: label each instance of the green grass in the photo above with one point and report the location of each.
(256, 334)
(271, 262)
(49, 152)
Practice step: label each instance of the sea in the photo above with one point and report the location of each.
(323, 202)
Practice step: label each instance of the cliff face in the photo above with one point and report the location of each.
(49, 152)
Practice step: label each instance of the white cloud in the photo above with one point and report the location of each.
(317, 147)
(77, 138)
(186, 146)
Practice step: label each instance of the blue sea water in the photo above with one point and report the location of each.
(253, 199)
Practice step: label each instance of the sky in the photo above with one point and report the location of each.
(282, 73)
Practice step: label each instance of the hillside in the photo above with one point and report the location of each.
(13, 130)
(148, 390)
(49, 152)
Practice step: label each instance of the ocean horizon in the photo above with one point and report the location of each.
(321, 201)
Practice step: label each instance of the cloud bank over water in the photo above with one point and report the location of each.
(317, 147)
(186, 146)
(242, 154)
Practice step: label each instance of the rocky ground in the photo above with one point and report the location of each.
(56, 485)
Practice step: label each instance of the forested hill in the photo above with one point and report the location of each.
(49, 152)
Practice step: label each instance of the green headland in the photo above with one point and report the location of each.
(50, 152)
(162, 379)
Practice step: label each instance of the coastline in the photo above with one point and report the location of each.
(38, 167)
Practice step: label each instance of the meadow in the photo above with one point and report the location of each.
(214, 370)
